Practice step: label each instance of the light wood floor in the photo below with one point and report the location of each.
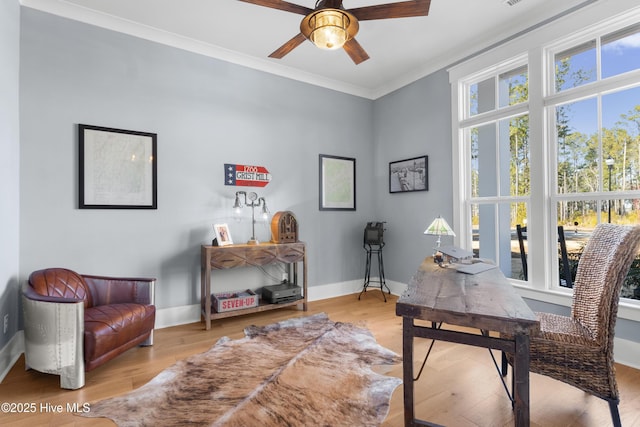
(460, 387)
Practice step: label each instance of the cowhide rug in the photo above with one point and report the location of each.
(306, 371)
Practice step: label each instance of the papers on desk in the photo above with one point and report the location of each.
(475, 268)
(455, 252)
(466, 263)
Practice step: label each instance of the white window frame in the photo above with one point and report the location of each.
(537, 48)
(494, 116)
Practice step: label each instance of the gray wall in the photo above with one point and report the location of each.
(206, 112)
(411, 122)
(9, 171)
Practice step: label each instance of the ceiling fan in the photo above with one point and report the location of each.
(330, 26)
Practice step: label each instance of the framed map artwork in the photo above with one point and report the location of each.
(337, 183)
(118, 168)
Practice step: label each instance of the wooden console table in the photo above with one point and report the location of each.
(234, 256)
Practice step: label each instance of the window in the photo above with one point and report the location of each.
(497, 135)
(597, 137)
(548, 147)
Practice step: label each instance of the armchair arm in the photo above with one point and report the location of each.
(53, 335)
(116, 290)
(31, 294)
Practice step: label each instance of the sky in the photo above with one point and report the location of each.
(617, 57)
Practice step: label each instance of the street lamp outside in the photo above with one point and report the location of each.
(609, 163)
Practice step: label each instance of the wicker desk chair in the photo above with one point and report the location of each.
(578, 350)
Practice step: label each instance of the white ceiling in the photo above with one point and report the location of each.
(401, 50)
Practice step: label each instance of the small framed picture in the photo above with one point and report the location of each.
(222, 234)
(409, 175)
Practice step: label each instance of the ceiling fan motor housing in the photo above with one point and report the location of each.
(329, 4)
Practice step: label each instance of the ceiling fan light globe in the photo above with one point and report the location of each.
(329, 29)
(329, 38)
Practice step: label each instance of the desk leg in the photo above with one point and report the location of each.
(521, 383)
(407, 370)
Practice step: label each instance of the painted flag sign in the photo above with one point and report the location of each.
(246, 176)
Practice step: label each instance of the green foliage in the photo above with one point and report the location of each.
(631, 284)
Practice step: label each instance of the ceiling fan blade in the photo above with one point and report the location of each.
(288, 46)
(281, 5)
(403, 9)
(355, 51)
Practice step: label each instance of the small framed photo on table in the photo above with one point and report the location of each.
(223, 236)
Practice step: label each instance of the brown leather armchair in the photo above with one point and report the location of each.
(74, 323)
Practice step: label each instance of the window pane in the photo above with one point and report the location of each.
(621, 140)
(482, 97)
(578, 215)
(519, 242)
(494, 235)
(578, 147)
(621, 211)
(473, 100)
(571, 241)
(483, 161)
(578, 219)
(631, 284)
(578, 230)
(513, 87)
(484, 231)
(514, 156)
(621, 51)
(626, 212)
(575, 66)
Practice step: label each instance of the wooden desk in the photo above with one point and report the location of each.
(234, 256)
(484, 301)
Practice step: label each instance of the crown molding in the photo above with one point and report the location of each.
(110, 22)
(89, 16)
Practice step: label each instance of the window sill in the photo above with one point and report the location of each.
(627, 309)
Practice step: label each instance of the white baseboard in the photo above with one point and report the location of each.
(174, 316)
(626, 352)
(10, 353)
(332, 290)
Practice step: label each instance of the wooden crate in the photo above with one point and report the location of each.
(229, 301)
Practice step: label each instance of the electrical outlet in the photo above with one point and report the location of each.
(285, 277)
(6, 324)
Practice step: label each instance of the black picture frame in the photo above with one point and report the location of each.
(118, 169)
(337, 183)
(409, 175)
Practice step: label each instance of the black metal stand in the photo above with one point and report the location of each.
(377, 250)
